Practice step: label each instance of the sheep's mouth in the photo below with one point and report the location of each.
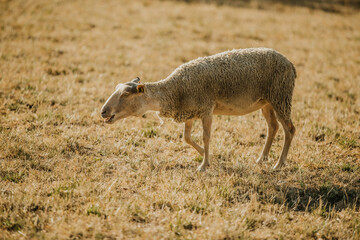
(109, 119)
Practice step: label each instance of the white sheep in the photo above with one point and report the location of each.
(235, 82)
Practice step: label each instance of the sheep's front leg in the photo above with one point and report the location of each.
(188, 139)
(206, 121)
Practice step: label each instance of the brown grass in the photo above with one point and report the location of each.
(66, 175)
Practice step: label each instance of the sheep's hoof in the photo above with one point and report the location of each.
(278, 165)
(202, 168)
(262, 158)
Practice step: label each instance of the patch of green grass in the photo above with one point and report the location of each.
(94, 210)
(346, 142)
(347, 167)
(64, 190)
(12, 176)
(176, 229)
(226, 193)
(137, 214)
(137, 142)
(17, 152)
(40, 166)
(250, 223)
(25, 86)
(197, 208)
(198, 158)
(320, 133)
(13, 106)
(100, 236)
(150, 133)
(163, 205)
(10, 225)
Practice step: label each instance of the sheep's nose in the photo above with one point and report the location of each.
(104, 113)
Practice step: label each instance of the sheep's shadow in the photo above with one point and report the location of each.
(327, 196)
(328, 6)
(270, 188)
(296, 196)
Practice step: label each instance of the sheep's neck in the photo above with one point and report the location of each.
(152, 97)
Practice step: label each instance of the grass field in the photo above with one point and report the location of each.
(64, 174)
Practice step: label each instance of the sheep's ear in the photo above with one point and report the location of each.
(140, 88)
(136, 80)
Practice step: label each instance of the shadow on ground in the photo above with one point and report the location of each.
(328, 196)
(335, 6)
(295, 195)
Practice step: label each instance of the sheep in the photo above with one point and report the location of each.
(235, 82)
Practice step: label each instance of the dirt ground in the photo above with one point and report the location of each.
(64, 174)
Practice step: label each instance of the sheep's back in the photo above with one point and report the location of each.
(194, 87)
(232, 73)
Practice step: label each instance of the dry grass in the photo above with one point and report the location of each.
(66, 175)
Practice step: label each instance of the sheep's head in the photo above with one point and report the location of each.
(124, 102)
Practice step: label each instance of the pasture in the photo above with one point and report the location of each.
(64, 174)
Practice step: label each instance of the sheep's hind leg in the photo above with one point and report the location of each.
(206, 121)
(188, 139)
(272, 128)
(289, 130)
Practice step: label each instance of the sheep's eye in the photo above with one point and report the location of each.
(125, 94)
